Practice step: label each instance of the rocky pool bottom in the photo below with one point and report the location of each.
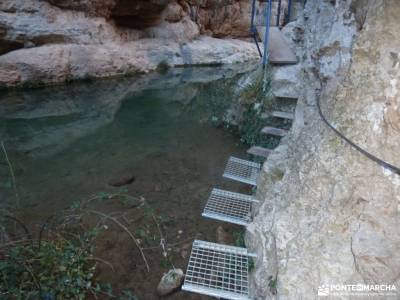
(158, 137)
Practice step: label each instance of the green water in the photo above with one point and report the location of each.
(67, 143)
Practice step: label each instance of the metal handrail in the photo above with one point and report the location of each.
(279, 13)
(289, 11)
(254, 32)
(253, 28)
(268, 12)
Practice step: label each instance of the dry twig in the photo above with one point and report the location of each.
(95, 212)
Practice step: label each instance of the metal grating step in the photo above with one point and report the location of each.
(229, 207)
(218, 270)
(260, 151)
(242, 170)
(274, 131)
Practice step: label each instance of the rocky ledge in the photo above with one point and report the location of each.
(52, 41)
(52, 64)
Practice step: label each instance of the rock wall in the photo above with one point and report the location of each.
(46, 42)
(330, 216)
(51, 41)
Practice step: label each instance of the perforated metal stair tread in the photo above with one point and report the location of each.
(218, 270)
(274, 131)
(259, 151)
(242, 170)
(229, 207)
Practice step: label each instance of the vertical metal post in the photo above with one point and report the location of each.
(279, 13)
(289, 11)
(253, 29)
(253, 11)
(266, 36)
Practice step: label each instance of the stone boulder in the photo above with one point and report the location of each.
(173, 13)
(223, 237)
(52, 64)
(125, 177)
(170, 282)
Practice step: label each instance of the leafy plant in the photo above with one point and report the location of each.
(240, 242)
(251, 264)
(252, 125)
(128, 295)
(50, 269)
(257, 97)
(59, 262)
(258, 88)
(272, 284)
(239, 238)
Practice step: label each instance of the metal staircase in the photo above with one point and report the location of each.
(219, 270)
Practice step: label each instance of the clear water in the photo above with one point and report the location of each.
(67, 143)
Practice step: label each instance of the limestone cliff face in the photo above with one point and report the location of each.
(329, 214)
(50, 41)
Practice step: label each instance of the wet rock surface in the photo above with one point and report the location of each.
(125, 178)
(223, 237)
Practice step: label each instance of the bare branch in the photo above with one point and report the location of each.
(95, 212)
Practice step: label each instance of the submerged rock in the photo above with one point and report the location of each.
(223, 237)
(123, 179)
(170, 282)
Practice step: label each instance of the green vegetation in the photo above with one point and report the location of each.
(240, 110)
(272, 284)
(257, 98)
(214, 101)
(60, 262)
(49, 269)
(240, 242)
(251, 264)
(239, 238)
(258, 90)
(277, 174)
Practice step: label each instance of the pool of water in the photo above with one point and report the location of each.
(163, 132)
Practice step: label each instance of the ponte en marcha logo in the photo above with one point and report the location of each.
(357, 289)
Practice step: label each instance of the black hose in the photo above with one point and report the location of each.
(379, 161)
